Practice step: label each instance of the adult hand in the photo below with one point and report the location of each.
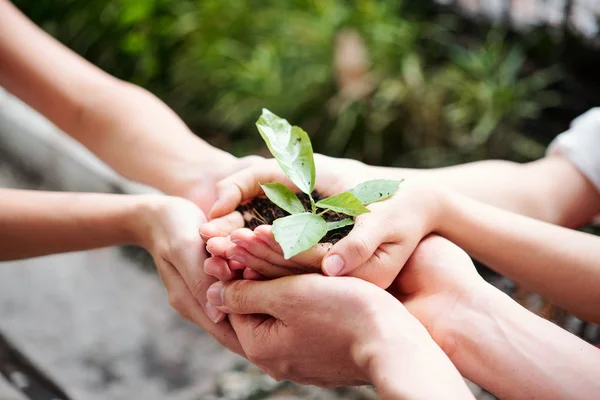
(329, 332)
(334, 176)
(438, 278)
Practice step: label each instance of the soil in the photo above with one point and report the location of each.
(262, 211)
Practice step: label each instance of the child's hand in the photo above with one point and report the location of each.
(375, 250)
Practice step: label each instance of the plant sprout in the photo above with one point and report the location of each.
(291, 147)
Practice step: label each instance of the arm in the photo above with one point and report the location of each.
(406, 372)
(491, 339)
(35, 224)
(124, 125)
(560, 264)
(551, 189)
(518, 355)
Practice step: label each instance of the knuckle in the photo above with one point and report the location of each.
(235, 296)
(198, 289)
(362, 247)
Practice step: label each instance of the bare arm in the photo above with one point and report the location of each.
(559, 263)
(124, 125)
(518, 355)
(39, 223)
(551, 189)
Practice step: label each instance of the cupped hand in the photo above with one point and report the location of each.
(375, 250)
(438, 279)
(317, 330)
(197, 182)
(333, 176)
(169, 228)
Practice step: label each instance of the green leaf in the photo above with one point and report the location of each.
(376, 190)
(339, 224)
(283, 197)
(345, 203)
(291, 148)
(299, 232)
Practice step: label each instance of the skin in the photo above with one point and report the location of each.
(491, 339)
(282, 325)
(129, 129)
(381, 241)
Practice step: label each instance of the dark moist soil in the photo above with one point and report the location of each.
(262, 211)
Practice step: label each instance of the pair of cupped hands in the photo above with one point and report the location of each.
(332, 315)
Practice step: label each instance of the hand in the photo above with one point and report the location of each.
(375, 250)
(198, 180)
(244, 186)
(168, 228)
(438, 278)
(329, 332)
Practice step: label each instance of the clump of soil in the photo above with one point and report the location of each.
(262, 211)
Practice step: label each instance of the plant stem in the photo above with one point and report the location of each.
(312, 204)
(324, 211)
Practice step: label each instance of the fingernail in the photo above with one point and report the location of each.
(333, 265)
(214, 294)
(240, 243)
(215, 315)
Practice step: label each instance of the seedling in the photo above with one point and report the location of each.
(291, 147)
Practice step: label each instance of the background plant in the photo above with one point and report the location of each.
(356, 74)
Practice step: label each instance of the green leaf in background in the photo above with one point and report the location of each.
(345, 203)
(376, 190)
(299, 232)
(339, 224)
(291, 148)
(283, 197)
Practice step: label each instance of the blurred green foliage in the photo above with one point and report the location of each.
(381, 81)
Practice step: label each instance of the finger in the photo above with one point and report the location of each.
(383, 267)
(247, 240)
(218, 268)
(357, 248)
(248, 260)
(235, 266)
(247, 296)
(252, 275)
(223, 226)
(308, 261)
(218, 246)
(245, 185)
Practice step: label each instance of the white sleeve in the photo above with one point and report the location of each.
(581, 145)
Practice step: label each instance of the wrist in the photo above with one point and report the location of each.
(404, 370)
(145, 210)
(470, 321)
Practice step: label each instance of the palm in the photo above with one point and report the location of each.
(436, 278)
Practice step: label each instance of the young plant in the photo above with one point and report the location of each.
(291, 147)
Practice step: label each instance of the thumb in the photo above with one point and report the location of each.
(241, 297)
(355, 249)
(245, 185)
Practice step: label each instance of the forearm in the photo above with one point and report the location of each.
(39, 223)
(406, 370)
(559, 263)
(515, 354)
(124, 125)
(550, 189)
